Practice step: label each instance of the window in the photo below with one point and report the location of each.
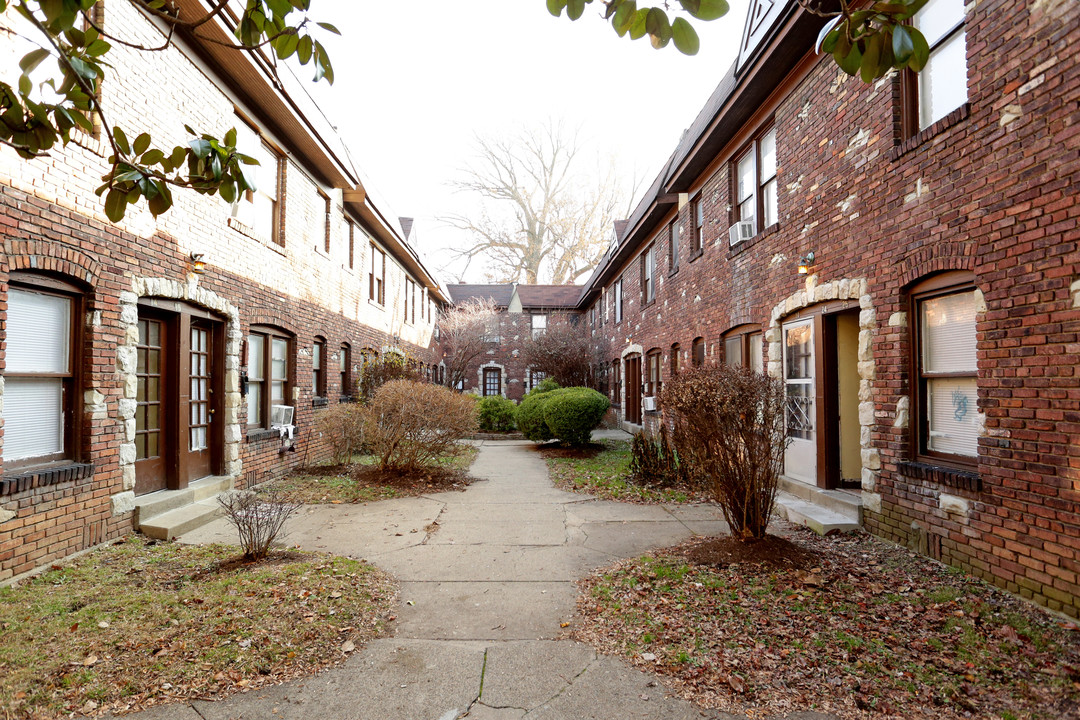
(326, 221)
(345, 369)
(648, 275)
(673, 246)
(945, 361)
(743, 348)
(536, 377)
(352, 243)
(269, 354)
(492, 382)
(539, 324)
(491, 330)
(618, 301)
(697, 210)
(755, 183)
(698, 352)
(652, 372)
(40, 378)
(941, 87)
(318, 368)
(675, 359)
(410, 301)
(377, 276)
(616, 382)
(259, 209)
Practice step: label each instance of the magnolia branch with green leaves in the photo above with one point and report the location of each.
(864, 40)
(69, 34)
(867, 40)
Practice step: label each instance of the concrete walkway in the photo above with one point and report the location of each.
(487, 578)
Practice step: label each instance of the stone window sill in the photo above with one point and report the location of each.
(949, 477)
(262, 434)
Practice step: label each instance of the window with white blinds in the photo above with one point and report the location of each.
(947, 374)
(38, 374)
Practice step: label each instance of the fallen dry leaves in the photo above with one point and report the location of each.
(861, 628)
(140, 623)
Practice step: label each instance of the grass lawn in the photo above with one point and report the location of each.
(140, 623)
(858, 627)
(360, 481)
(603, 469)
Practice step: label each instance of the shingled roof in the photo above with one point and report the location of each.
(501, 293)
(549, 296)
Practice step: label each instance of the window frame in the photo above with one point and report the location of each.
(318, 367)
(269, 333)
(71, 382)
(352, 243)
(532, 324)
(673, 246)
(654, 372)
(911, 92)
(617, 301)
(697, 352)
(345, 370)
(745, 336)
(648, 275)
(277, 230)
(673, 359)
(697, 224)
(936, 286)
(377, 284)
(327, 214)
(752, 151)
(410, 300)
(491, 372)
(616, 382)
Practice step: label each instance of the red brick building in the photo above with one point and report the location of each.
(904, 256)
(150, 363)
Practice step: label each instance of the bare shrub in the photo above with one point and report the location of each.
(380, 369)
(464, 329)
(259, 518)
(567, 353)
(410, 425)
(654, 461)
(343, 427)
(728, 429)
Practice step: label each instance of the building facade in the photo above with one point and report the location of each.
(172, 357)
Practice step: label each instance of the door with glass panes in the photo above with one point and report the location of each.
(800, 414)
(178, 432)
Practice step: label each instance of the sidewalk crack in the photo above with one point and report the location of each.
(433, 527)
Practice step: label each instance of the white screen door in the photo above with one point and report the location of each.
(800, 461)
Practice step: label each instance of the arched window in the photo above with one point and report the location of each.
(345, 369)
(318, 367)
(743, 347)
(698, 352)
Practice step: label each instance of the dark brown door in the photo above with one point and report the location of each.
(152, 410)
(202, 428)
(633, 390)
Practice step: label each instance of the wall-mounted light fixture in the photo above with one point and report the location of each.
(198, 264)
(806, 263)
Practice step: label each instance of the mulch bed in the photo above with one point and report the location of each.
(364, 483)
(847, 624)
(555, 450)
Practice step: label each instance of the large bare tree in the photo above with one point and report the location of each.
(463, 330)
(567, 353)
(543, 217)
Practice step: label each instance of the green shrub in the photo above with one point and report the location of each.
(495, 413)
(545, 385)
(572, 413)
(530, 416)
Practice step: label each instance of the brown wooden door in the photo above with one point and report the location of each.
(633, 390)
(153, 408)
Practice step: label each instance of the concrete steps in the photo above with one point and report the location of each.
(168, 513)
(820, 510)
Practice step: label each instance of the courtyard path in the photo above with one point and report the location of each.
(487, 579)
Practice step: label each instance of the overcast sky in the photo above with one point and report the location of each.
(417, 81)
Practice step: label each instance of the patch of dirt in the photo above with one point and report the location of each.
(423, 481)
(555, 450)
(275, 558)
(769, 551)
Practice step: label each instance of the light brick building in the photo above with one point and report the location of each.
(133, 384)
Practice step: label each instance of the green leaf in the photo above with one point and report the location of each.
(555, 7)
(328, 27)
(230, 137)
(115, 204)
(303, 50)
(868, 68)
(98, 48)
(25, 86)
(850, 62)
(32, 59)
(575, 8)
(152, 157)
(286, 45)
(637, 25)
(228, 191)
(902, 46)
(623, 16)
(141, 143)
(709, 9)
(920, 54)
(658, 27)
(685, 37)
(121, 141)
(201, 148)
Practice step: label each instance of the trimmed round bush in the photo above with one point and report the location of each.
(572, 413)
(530, 417)
(495, 413)
(545, 385)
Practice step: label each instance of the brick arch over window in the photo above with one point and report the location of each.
(46, 256)
(937, 258)
(842, 289)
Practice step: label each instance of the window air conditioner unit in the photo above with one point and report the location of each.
(649, 403)
(740, 231)
(281, 415)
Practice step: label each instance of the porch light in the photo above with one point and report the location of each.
(806, 263)
(198, 264)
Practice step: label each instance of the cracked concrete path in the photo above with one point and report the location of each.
(487, 579)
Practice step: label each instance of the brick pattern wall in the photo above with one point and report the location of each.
(52, 222)
(990, 188)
